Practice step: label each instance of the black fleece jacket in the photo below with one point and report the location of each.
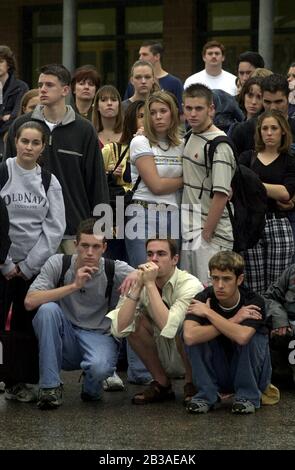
(13, 92)
(72, 154)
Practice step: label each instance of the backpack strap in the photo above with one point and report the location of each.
(187, 136)
(3, 174)
(136, 184)
(109, 267)
(210, 148)
(46, 178)
(122, 155)
(221, 139)
(66, 263)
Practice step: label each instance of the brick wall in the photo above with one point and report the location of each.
(178, 37)
(11, 24)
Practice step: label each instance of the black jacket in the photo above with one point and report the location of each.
(13, 92)
(4, 229)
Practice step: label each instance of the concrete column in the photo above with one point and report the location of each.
(266, 31)
(69, 28)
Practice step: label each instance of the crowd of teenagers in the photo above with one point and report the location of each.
(117, 236)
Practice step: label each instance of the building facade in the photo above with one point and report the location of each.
(109, 33)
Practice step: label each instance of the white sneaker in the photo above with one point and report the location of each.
(22, 392)
(113, 383)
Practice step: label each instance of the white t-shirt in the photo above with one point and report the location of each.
(224, 81)
(168, 163)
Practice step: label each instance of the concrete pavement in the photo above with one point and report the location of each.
(114, 423)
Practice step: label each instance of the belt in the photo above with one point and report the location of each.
(147, 204)
(275, 215)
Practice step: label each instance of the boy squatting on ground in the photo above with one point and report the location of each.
(71, 325)
(152, 314)
(227, 340)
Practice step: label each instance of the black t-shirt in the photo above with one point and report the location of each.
(280, 171)
(247, 298)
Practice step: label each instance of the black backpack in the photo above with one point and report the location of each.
(249, 199)
(109, 266)
(45, 176)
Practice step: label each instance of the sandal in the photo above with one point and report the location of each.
(189, 390)
(154, 393)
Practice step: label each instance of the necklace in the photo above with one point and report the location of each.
(162, 148)
(49, 120)
(108, 138)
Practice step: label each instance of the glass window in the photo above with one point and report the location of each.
(97, 22)
(101, 54)
(224, 16)
(284, 14)
(284, 52)
(234, 45)
(101, 40)
(47, 24)
(132, 47)
(53, 53)
(146, 19)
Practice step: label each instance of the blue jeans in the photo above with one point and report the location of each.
(136, 372)
(149, 224)
(63, 345)
(247, 371)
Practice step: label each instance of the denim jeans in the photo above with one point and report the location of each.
(136, 372)
(246, 373)
(63, 345)
(149, 224)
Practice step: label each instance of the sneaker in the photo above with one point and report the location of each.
(21, 392)
(243, 407)
(113, 383)
(49, 398)
(198, 406)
